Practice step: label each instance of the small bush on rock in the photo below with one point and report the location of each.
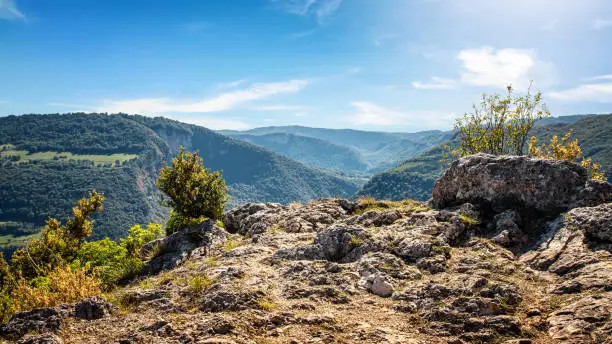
(500, 125)
(567, 150)
(193, 191)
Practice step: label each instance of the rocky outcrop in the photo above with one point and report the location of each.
(588, 320)
(94, 308)
(47, 338)
(168, 252)
(37, 320)
(518, 182)
(496, 263)
(254, 218)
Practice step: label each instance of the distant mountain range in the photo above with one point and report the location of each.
(415, 177)
(353, 151)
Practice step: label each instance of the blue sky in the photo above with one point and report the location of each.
(393, 65)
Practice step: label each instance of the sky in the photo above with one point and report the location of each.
(384, 65)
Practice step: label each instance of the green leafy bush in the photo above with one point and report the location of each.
(58, 244)
(61, 266)
(500, 125)
(176, 222)
(117, 263)
(193, 191)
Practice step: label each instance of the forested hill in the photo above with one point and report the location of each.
(348, 150)
(415, 177)
(252, 172)
(47, 162)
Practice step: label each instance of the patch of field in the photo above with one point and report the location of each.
(11, 240)
(14, 233)
(8, 152)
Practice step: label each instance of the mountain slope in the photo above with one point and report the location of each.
(364, 151)
(47, 162)
(309, 150)
(414, 178)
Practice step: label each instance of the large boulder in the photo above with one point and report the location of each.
(36, 320)
(256, 218)
(518, 182)
(93, 308)
(168, 252)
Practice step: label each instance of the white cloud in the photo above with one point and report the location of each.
(551, 25)
(327, 8)
(222, 102)
(8, 10)
(371, 114)
(499, 68)
(490, 67)
(320, 9)
(599, 90)
(600, 77)
(600, 24)
(233, 84)
(301, 34)
(278, 108)
(436, 83)
(216, 123)
(380, 40)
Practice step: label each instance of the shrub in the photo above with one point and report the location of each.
(500, 125)
(118, 263)
(58, 244)
(139, 236)
(193, 191)
(176, 222)
(64, 284)
(565, 150)
(199, 283)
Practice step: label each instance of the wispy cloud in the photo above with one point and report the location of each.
(436, 83)
(321, 10)
(600, 24)
(497, 68)
(217, 123)
(381, 40)
(598, 90)
(222, 102)
(232, 84)
(301, 34)
(278, 108)
(196, 26)
(551, 25)
(8, 10)
(371, 114)
(600, 77)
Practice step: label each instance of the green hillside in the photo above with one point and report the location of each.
(47, 162)
(309, 150)
(361, 151)
(415, 177)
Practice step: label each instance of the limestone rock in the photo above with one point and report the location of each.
(588, 320)
(46, 338)
(37, 320)
(94, 308)
(170, 251)
(511, 182)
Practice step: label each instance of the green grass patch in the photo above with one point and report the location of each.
(11, 240)
(469, 220)
(8, 152)
(199, 283)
